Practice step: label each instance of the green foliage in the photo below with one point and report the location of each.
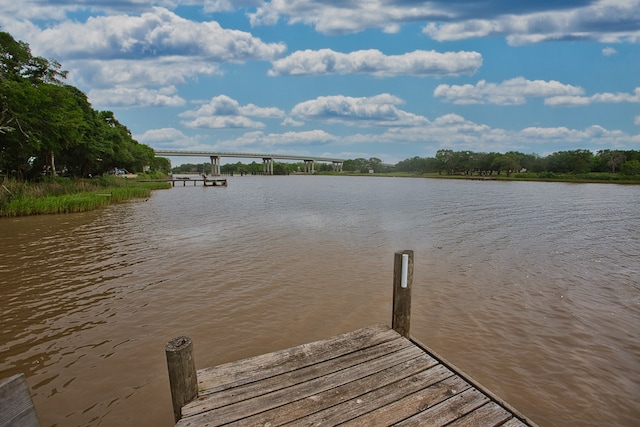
(48, 127)
(630, 168)
(576, 165)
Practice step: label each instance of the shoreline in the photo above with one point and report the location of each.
(72, 196)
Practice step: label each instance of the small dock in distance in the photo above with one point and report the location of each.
(371, 376)
(206, 181)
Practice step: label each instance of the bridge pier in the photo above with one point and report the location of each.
(215, 165)
(267, 165)
(309, 166)
(309, 161)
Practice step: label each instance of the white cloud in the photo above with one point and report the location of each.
(589, 135)
(608, 21)
(341, 17)
(136, 97)
(379, 110)
(225, 112)
(372, 61)
(509, 92)
(603, 98)
(159, 32)
(35, 10)
(609, 51)
(288, 121)
(138, 73)
(154, 48)
(258, 141)
(168, 139)
(636, 120)
(595, 21)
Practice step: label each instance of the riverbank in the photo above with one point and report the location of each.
(68, 195)
(589, 178)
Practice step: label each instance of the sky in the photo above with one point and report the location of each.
(352, 78)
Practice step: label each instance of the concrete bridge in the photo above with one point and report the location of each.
(267, 159)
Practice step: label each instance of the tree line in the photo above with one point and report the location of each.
(562, 162)
(48, 127)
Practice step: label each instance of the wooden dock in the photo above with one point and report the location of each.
(371, 376)
(207, 182)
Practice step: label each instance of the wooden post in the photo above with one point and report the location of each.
(402, 281)
(182, 373)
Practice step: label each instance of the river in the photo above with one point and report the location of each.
(531, 288)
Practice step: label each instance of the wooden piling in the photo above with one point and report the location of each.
(182, 373)
(402, 281)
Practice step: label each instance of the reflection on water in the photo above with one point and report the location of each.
(533, 289)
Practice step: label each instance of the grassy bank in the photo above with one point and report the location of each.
(66, 195)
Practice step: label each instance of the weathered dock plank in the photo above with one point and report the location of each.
(374, 376)
(16, 405)
(371, 376)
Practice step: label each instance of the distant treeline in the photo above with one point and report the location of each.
(562, 162)
(449, 162)
(48, 127)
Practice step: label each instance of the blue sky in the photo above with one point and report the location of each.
(351, 78)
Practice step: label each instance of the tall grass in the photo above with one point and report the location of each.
(65, 195)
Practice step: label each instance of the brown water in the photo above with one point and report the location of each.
(532, 288)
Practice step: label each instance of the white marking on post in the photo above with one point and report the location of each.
(405, 270)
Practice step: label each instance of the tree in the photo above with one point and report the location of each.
(48, 126)
(612, 158)
(356, 165)
(630, 168)
(17, 64)
(507, 162)
(375, 164)
(444, 159)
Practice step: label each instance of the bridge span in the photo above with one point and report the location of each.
(267, 159)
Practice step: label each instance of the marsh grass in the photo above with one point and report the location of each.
(64, 195)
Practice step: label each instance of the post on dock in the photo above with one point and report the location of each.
(402, 281)
(182, 373)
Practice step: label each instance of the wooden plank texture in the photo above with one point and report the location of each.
(369, 377)
(16, 405)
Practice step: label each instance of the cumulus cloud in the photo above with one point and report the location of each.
(509, 92)
(224, 112)
(379, 110)
(168, 139)
(354, 16)
(159, 32)
(455, 132)
(563, 134)
(136, 97)
(36, 10)
(372, 61)
(609, 51)
(602, 98)
(259, 141)
(138, 73)
(636, 120)
(156, 48)
(607, 21)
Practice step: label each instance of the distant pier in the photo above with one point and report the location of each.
(207, 182)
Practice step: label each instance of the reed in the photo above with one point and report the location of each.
(62, 195)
